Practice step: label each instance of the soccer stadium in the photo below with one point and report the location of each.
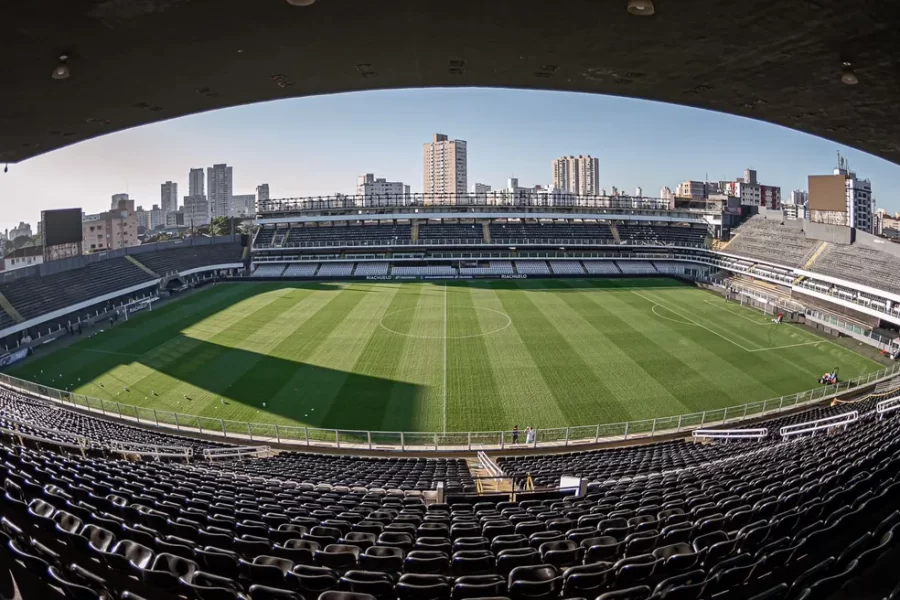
(536, 396)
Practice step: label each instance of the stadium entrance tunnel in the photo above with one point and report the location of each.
(359, 402)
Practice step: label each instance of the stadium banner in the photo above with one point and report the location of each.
(13, 357)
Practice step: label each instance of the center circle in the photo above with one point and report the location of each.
(493, 321)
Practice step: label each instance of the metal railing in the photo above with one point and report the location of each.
(240, 432)
(498, 241)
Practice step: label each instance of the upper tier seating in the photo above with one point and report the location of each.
(473, 232)
(861, 264)
(6, 320)
(661, 235)
(264, 237)
(791, 516)
(567, 267)
(34, 296)
(371, 268)
(179, 260)
(336, 269)
(550, 231)
(636, 267)
(771, 241)
(348, 234)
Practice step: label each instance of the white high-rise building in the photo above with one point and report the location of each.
(196, 211)
(195, 183)
(168, 197)
(446, 169)
(262, 192)
(219, 190)
(379, 192)
(243, 205)
(577, 175)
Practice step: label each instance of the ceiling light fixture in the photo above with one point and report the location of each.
(301, 2)
(848, 75)
(62, 69)
(641, 8)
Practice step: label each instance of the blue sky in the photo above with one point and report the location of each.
(317, 146)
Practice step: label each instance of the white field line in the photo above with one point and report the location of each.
(653, 310)
(716, 333)
(445, 359)
(736, 313)
(793, 346)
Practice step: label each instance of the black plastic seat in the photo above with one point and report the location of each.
(587, 581)
(339, 557)
(310, 580)
(127, 555)
(639, 592)
(263, 592)
(601, 548)
(168, 569)
(384, 559)
(423, 587)
(472, 562)
(478, 586)
(534, 582)
(560, 553)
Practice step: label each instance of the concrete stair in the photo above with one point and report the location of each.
(615, 233)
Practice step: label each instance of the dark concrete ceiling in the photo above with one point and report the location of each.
(138, 61)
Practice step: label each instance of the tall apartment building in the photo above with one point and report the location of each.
(753, 193)
(116, 198)
(445, 168)
(243, 205)
(380, 192)
(23, 229)
(195, 183)
(860, 201)
(168, 197)
(219, 190)
(111, 230)
(262, 192)
(196, 211)
(577, 175)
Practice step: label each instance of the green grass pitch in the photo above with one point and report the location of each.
(475, 355)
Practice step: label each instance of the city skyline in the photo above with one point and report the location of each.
(319, 146)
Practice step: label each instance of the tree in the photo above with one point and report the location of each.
(225, 225)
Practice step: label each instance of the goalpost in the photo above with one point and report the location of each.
(139, 305)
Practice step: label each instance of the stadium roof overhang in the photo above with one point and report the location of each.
(132, 62)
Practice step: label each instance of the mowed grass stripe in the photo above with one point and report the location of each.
(420, 364)
(362, 402)
(327, 369)
(578, 392)
(628, 361)
(717, 365)
(204, 370)
(663, 350)
(774, 371)
(522, 392)
(473, 394)
(266, 359)
(294, 388)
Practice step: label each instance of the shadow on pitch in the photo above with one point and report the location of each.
(294, 390)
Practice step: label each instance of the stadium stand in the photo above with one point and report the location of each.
(347, 234)
(335, 269)
(301, 270)
(426, 270)
(264, 237)
(495, 267)
(601, 267)
(532, 267)
(268, 270)
(812, 514)
(6, 320)
(361, 471)
(371, 269)
(566, 267)
(508, 232)
(636, 267)
(474, 232)
(179, 260)
(18, 411)
(34, 296)
(771, 241)
(862, 265)
(664, 236)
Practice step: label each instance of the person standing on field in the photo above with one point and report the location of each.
(529, 435)
(515, 434)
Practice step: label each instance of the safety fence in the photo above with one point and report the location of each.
(241, 432)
